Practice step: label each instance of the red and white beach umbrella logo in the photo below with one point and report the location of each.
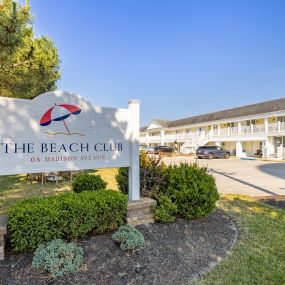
(59, 113)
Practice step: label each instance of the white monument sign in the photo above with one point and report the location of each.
(59, 131)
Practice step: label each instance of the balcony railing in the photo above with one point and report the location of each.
(154, 138)
(230, 131)
(272, 127)
(142, 139)
(246, 129)
(258, 129)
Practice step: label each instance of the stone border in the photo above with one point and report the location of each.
(3, 232)
(141, 211)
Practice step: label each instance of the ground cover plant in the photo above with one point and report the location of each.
(129, 238)
(259, 256)
(70, 215)
(58, 257)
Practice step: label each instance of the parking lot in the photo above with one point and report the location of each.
(248, 177)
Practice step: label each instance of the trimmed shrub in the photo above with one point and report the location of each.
(129, 237)
(58, 257)
(153, 176)
(88, 182)
(166, 210)
(192, 189)
(69, 215)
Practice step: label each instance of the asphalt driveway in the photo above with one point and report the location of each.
(248, 177)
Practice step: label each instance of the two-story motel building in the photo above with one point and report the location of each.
(244, 131)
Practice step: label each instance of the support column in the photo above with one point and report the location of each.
(134, 169)
(239, 127)
(219, 130)
(265, 149)
(239, 149)
(162, 138)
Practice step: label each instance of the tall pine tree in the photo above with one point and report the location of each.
(29, 66)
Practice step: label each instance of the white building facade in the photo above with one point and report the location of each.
(252, 130)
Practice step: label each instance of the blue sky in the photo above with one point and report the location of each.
(180, 58)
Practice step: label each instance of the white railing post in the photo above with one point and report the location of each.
(134, 169)
(266, 125)
(219, 130)
(251, 128)
(239, 127)
(278, 126)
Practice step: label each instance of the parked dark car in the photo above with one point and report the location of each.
(163, 149)
(211, 152)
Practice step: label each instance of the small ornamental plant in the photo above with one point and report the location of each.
(166, 210)
(58, 257)
(129, 238)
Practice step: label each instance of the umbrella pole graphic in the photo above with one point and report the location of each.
(66, 127)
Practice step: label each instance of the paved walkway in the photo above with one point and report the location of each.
(248, 177)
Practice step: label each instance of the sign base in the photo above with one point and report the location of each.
(141, 211)
(3, 232)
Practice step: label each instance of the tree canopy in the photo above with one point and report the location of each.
(29, 66)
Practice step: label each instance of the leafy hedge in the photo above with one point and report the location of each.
(39, 220)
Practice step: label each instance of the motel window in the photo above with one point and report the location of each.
(232, 124)
(249, 122)
(281, 119)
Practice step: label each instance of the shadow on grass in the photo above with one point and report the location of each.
(250, 207)
(258, 257)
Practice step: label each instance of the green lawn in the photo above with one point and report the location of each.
(259, 256)
(14, 188)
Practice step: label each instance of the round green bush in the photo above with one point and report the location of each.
(88, 182)
(192, 189)
(58, 257)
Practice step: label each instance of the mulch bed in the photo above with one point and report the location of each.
(174, 254)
